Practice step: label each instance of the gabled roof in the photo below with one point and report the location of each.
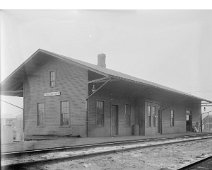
(17, 76)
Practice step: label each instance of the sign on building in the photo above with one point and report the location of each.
(56, 93)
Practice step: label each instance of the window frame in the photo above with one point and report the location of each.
(149, 115)
(61, 114)
(172, 117)
(153, 115)
(40, 122)
(102, 114)
(128, 115)
(52, 81)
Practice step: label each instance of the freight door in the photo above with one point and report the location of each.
(114, 120)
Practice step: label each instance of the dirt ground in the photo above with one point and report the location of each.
(155, 158)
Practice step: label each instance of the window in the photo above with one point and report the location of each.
(128, 114)
(149, 115)
(154, 115)
(52, 79)
(100, 113)
(172, 118)
(64, 113)
(188, 113)
(40, 114)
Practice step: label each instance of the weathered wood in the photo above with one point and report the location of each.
(71, 81)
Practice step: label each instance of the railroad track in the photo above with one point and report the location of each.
(77, 147)
(90, 151)
(203, 164)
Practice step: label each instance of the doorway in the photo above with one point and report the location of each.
(188, 121)
(114, 120)
(160, 121)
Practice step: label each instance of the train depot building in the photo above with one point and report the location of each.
(67, 97)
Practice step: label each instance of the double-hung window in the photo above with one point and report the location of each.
(128, 114)
(149, 115)
(40, 114)
(100, 113)
(154, 115)
(52, 79)
(64, 113)
(172, 118)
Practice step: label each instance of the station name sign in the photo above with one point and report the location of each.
(55, 93)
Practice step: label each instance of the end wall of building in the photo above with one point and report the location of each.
(71, 82)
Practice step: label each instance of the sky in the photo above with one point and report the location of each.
(169, 47)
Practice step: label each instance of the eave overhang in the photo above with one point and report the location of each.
(13, 84)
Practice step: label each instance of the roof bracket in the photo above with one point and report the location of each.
(99, 80)
(99, 88)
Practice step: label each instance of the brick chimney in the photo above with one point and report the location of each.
(101, 60)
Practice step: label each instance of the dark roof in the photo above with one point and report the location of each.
(15, 77)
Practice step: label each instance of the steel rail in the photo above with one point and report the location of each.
(195, 163)
(74, 157)
(84, 146)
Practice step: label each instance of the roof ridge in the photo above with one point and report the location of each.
(103, 71)
(136, 79)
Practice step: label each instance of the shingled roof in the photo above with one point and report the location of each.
(14, 82)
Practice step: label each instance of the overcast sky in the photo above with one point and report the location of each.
(169, 47)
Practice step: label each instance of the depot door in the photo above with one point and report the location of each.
(114, 120)
(160, 121)
(188, 121)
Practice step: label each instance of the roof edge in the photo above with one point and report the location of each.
(79, 63)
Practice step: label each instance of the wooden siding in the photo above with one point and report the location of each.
(179, 118)
(139, 115)
(115, 99)
(71, 81)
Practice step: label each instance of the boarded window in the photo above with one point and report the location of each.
(128, 114)
(172, 118)
(52, 79)
(100, 113)
(64, 113)
(154, 115)
(149, 115)
(40, 114)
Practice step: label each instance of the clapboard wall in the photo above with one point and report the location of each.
(179, 109)
(179, 119)
(71, 82)
(110, 98)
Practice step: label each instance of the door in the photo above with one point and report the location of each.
(114, 120)
(189, 122)
(160, 121)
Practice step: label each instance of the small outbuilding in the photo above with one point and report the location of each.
(65, 96)
(207, 123)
